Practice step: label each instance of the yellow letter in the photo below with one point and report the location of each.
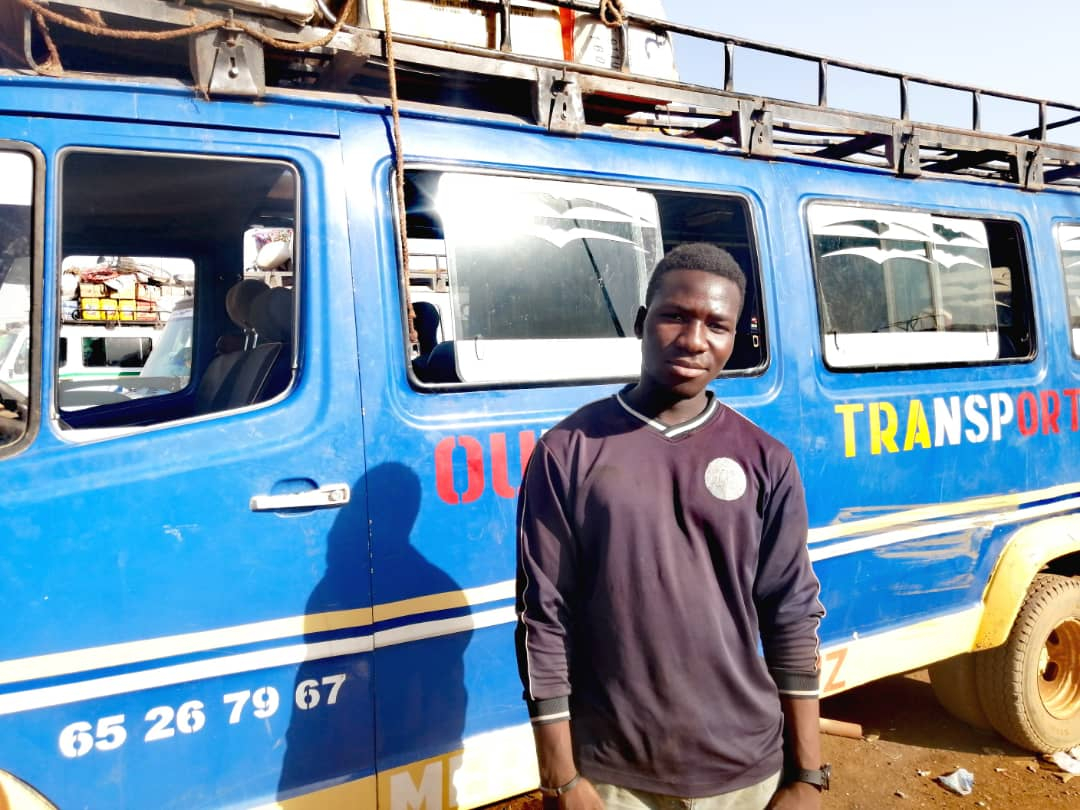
(880, 434)
(848, 412)
(918, 431)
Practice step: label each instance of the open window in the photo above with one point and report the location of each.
(177, 288)
(524, 280)
(907, 288)
(16, 335)
(1068, 238)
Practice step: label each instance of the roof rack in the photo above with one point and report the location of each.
(229, 52)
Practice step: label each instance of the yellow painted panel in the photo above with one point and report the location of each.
(1027, 552)
(867, 658)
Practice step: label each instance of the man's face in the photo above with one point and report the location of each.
(688, 330)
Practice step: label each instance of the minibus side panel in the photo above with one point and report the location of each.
(164, 639)
(444, 467)
(902, 579)
(976, 450)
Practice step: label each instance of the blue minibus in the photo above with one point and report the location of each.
(277, 569)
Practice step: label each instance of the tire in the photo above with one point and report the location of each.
(953, 681)
(1029, 687)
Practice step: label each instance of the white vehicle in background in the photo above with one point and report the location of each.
(86, 354)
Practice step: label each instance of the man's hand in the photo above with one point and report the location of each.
(583, 796)
(796, 796)
(557, 767)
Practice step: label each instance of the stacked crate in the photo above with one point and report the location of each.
(116, 295)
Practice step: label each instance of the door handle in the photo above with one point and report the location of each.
(332, 495)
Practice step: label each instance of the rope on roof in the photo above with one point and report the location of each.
(612, 14)
(99, 29)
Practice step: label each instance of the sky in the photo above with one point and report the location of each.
(1028, 48)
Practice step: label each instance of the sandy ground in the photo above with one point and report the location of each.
(908, 741)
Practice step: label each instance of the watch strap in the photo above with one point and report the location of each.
(818, 777)
(561, 789)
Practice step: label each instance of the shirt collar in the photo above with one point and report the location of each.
(672, 431)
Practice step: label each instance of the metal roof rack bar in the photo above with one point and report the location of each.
(567, 96)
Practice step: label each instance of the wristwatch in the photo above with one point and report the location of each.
(559, 790)
(818, 778)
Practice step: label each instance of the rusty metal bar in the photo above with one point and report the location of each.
(1043, 126)
(729, 67)
(704, 33)
(968, 160)
(852, 146)
(506, 45)
(1063, 173)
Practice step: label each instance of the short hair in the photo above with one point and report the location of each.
(698, 256)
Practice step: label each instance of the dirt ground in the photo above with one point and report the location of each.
(908, 741)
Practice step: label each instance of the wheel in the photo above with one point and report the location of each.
(1030, 686)
(953, 681)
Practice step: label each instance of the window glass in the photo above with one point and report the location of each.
(526, 280)
(16, 195)
(168, 367)
(901, 288)
(177, 286)
(1069, 246)
(113, 352)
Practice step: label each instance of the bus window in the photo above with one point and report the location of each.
(183, 237)
(907, 288)
(1069, 246)
(518, 280)
(16, 194)
(115, 352)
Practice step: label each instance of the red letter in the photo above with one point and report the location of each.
(1051, 407)
(500, 478)
(444, 469)
(1074, 394)
(500, 473)
(474, 463)
(526, 445)
(1027, 422)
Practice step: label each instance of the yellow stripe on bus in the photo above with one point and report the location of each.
(919, 514)
(359, 794)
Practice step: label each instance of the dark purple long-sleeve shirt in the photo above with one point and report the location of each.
(652, 561)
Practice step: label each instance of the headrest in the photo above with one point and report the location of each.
(239, 298)
(272, 315)
(226, 344)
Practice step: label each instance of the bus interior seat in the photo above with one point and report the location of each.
(438, 366)
(261, 369)
(238, 302)
(272, 319)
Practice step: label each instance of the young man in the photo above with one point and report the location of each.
(662, 537)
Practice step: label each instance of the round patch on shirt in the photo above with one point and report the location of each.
(725, 479)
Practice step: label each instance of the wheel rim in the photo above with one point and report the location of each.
(1059, 670)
